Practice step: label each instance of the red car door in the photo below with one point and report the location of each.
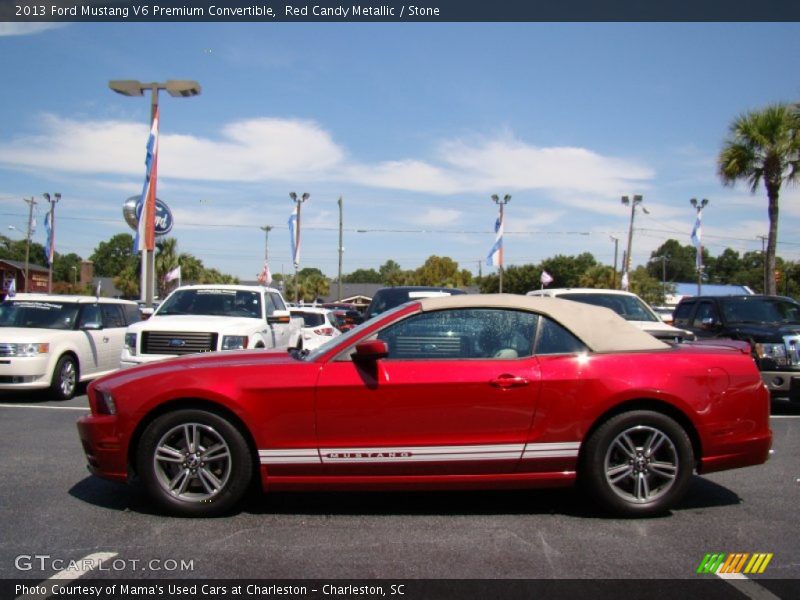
(456, 395)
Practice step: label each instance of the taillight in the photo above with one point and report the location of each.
(324, 331)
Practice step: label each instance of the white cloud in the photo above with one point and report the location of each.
(436, 217)
(269, 149)
(9, 29)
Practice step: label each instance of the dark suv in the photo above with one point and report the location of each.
(771, 324)
(386, 298)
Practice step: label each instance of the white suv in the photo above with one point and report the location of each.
(208, 318)
(51, 341)
(629, 306)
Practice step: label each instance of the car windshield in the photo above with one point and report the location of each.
(631, 308)
(760, 310)
(212, 301)
(39, 315)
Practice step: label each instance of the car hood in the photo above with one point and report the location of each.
(192, 323)
(765, 332)
(214, 361)
(21, 335)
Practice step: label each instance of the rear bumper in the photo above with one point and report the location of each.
(744, 453)
(103, 446)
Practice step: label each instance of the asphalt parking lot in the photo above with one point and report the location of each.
(52, 507)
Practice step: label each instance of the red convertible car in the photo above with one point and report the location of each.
(456, 392)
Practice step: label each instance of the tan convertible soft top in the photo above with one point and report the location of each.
(601, 329)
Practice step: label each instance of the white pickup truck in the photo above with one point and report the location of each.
(207, 318)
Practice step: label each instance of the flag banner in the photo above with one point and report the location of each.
(265, 277)
(294, 236)
(146, 207)
(50, 248)
(174, 274)
(495, 256)
(697, 238)
(625, 282)
(546, 278)
(11, 290)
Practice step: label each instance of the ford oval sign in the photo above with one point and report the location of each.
(164, 220)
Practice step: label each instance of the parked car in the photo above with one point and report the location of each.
(627, 305)
(208, 318)
(770, 324)
(55, 342)
(347, 315)
(466, 391)
(389, 297)
(319, 325)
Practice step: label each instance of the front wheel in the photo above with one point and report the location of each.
(65, 378)
(638, 463)
(194, 463)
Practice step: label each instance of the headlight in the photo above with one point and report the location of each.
(28, 349)
(105, 403)
(776, 352)
(130, 342)
(234, 342)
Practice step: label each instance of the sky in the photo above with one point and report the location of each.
(413, 125)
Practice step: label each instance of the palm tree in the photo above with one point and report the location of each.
(764, 145)
(166, 260)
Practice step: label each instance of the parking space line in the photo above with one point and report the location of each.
(748, 587)
(785, 417)
(77, 569)
(51, 407)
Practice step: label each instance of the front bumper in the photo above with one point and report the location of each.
(783, 384)
(104, 447)
(22, 372)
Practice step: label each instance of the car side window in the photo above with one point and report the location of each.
(90, 313)
(683, 312)
(112, 315)
(705, 311)
(484, 333)
(553, 338)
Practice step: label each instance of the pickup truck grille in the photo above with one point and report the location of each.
(178, 342)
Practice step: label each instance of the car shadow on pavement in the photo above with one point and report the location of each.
(569, 502)
(35, 396)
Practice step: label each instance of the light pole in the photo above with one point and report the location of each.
(50, 251)
(74, 270)
(177, 88)
(501, 203)
(663, 258)
(266, 229)
(341, 248)
(697, 239)
(634, 202)
(616, 253)
(298, 201)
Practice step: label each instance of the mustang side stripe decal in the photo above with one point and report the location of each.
(419, 453)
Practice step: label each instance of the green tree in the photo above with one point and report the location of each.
(166, 260)
(362, 276)
(442, 271)
(648, 288)
(675, 260)
(391, 273)
(598, 276)
(566, 271)
(764, 146)
(115, 256)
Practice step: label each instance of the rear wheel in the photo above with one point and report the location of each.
(638, 463)
(65, 378)
(194, 463)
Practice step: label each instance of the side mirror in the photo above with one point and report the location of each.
(709, 322)
(371, 351)
(279, 316)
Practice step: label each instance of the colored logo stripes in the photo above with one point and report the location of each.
(738, 562)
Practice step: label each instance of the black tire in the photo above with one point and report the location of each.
(65, 378)
(638, 463)
(201, 481)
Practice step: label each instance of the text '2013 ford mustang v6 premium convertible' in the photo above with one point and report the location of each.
(459, 392)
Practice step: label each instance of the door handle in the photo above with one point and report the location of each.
(509, 381)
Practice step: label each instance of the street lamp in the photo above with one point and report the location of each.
(616, 253)
(177, 88)
(50, 251)
(298, 200)
(501, 203)
(633, 202)
(697, 239)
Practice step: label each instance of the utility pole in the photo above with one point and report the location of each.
(341, 247)
(31, 202)
(633, 202)
(500, 232)
(616, 251)
(50, 251)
